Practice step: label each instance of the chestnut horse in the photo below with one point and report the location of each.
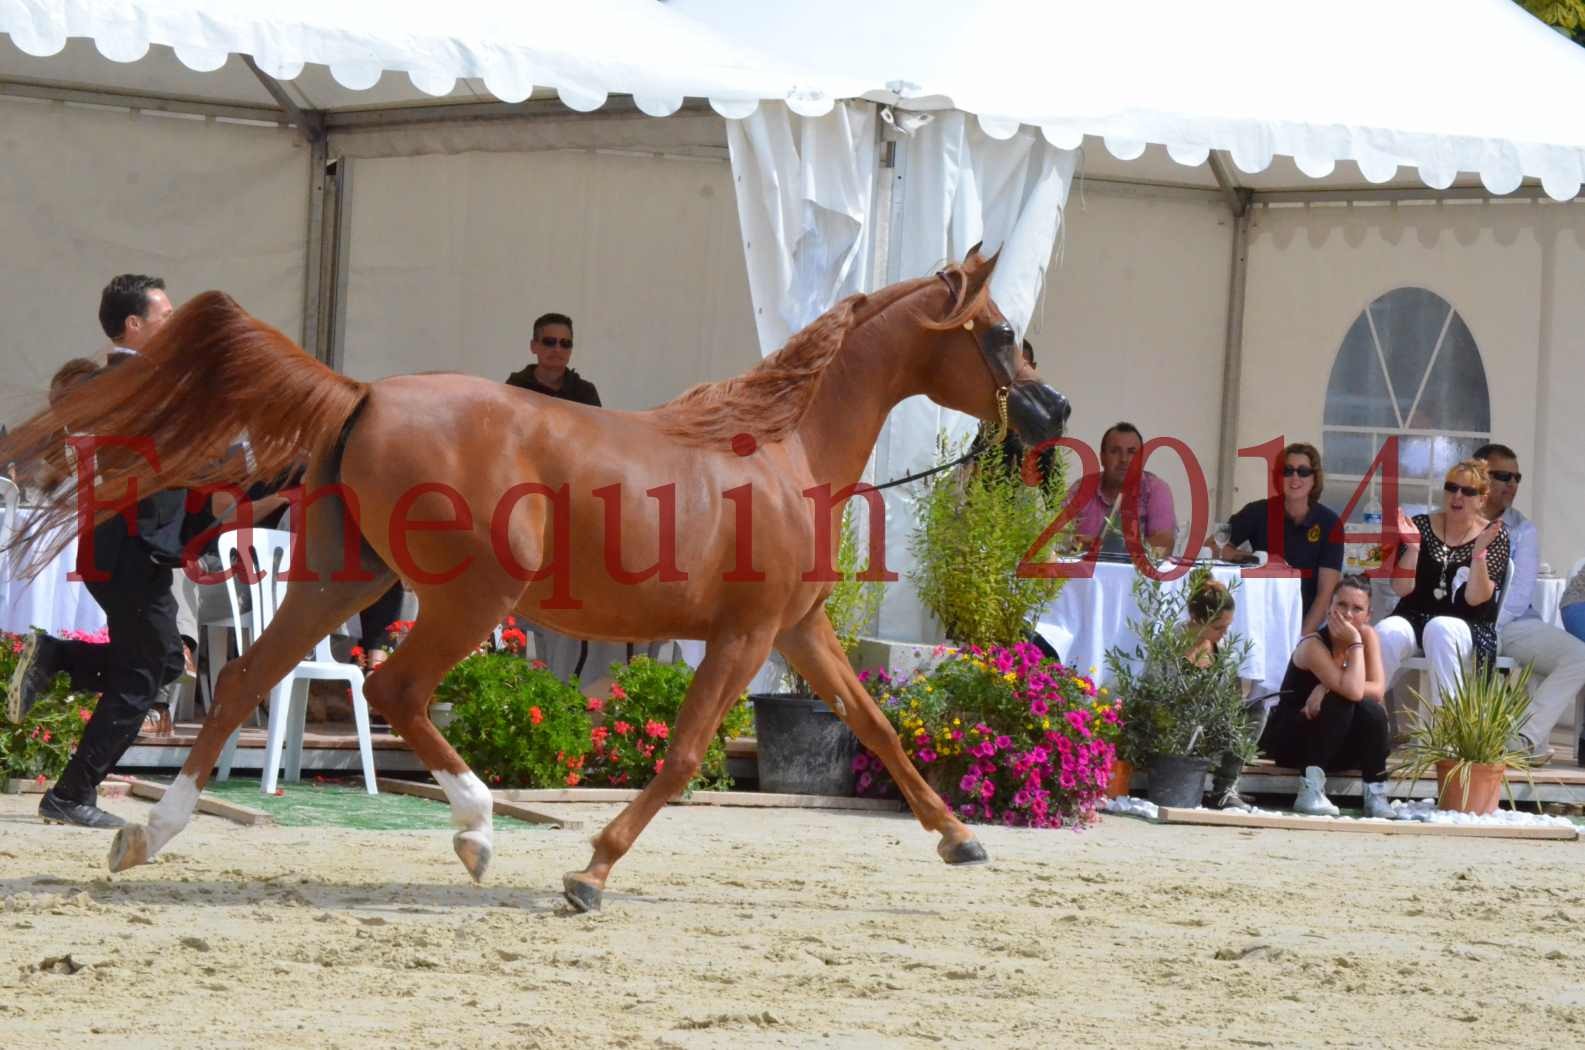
(490, 500)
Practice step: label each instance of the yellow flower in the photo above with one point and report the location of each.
(1009, 677)
(957, 721)
(1045, 723)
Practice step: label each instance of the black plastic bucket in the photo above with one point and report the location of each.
(1178, 781)
(804, 749)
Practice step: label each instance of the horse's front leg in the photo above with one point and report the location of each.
(728, 666)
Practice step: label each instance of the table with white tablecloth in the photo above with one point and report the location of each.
(51, 599)
(1090, 616)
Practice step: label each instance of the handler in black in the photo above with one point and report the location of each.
(549, 375)
(145, 649)
(1311, 541)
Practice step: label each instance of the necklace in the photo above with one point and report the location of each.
(1444, 556)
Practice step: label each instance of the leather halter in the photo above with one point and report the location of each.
(995, 344)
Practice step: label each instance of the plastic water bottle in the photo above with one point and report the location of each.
(1371, 520)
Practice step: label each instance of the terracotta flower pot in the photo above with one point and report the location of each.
(1122, 774)
(1485, 787)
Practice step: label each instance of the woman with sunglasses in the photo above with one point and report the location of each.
(1452, 567)
(1294, 526)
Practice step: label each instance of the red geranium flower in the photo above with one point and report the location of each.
(535, 715)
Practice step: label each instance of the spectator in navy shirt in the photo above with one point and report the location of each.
(1311, 540)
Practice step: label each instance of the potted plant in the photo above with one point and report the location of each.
(1468, 739)
(1178, 718)
(1003, 734)
(974, 528)
(802, 747)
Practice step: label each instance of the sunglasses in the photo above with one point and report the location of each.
(1506, 476)
(565, 344)
(1451, 488)
(1303, 472)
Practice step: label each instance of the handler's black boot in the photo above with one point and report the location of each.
(37, 665)
(57, 810)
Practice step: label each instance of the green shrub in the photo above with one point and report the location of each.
(515, 724)
(38, 747)
(629, 741)
(975, 527)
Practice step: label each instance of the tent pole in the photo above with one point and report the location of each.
(1239, 200)
(334, 257)
(313, 271)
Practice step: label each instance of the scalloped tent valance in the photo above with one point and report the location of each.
(1440, 86)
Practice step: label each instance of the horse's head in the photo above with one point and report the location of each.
(980, 369)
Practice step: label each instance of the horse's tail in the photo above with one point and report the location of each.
(165, 418)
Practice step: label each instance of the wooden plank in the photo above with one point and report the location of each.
(750, 799)
(1227, 819)
(237, 814)
(767, 800)
(501, 806)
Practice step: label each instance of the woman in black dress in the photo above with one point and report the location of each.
(1452, 569)
(1331, 716)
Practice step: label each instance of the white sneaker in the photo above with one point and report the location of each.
(1312, 800)
(1377, 804)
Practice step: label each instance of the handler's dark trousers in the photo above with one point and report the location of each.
(144, 653)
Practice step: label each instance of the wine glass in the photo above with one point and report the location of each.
(1221, 534)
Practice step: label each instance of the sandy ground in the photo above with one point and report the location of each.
(754, 928)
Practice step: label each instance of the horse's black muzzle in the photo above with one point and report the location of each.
(1037, 412)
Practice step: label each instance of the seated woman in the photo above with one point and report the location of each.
(1308, 538)
(1451, 590)
(1211, 607)
(1331, 716)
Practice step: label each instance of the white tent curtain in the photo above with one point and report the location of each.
(961, 187)
(804, 190)
(806, 200)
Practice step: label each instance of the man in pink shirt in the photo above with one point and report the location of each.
(1102, 516)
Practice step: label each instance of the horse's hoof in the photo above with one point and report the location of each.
(474, 850)
(583, 896)
(130, 848)
(967, 852)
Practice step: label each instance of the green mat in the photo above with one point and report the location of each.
(343, 804)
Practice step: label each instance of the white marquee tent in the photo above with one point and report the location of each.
(1220, 187)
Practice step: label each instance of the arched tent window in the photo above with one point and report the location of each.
(1407, 367)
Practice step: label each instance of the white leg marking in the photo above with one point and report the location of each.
(172, 812)
(471, 804)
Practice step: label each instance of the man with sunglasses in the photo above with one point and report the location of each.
(549, 375)
(1557, 657)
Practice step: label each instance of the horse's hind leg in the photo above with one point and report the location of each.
(725, 671)
(309, 613)
(450, 625)
(813, 648)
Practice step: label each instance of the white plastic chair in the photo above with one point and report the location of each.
(1420, 665)
(270, 552)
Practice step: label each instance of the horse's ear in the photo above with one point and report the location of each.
(977, 269)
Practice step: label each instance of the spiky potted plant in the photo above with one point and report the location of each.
(1468, 739)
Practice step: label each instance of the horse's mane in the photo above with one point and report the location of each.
(770, 400)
